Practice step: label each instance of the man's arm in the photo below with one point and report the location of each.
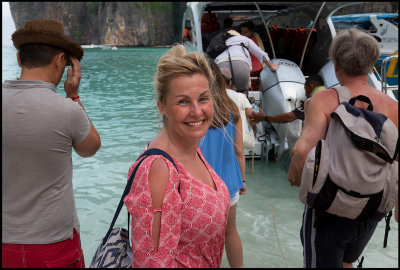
(279, 118)
(89, 146)
(315, 127)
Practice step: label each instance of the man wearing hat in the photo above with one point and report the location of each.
(40, 226)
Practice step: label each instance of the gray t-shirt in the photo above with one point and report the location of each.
(39, 129)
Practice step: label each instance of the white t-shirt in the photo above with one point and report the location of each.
(243, 103)
(240, 99)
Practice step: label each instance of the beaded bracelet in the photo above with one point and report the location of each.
(73, 98)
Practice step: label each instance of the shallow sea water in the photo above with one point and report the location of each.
(116, 90)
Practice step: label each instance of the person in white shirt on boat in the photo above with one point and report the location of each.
(241, 60)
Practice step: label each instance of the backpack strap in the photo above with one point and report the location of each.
(387, 228)
(343, 93)
(230, 64)
(396, 151)
(147, 153)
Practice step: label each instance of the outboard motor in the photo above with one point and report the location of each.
(282, 91)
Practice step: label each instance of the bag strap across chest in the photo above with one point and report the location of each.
(147, 153)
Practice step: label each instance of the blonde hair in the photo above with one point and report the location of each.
(178, 62)
(223, 104)
(354, 51)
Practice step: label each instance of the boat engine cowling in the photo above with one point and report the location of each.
(283, 90)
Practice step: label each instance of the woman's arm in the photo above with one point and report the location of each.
(158, 180)
(152, 201)
(239, 150)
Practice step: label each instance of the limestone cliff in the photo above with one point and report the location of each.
(131, 23)
(117, 23)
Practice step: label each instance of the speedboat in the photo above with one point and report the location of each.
(299, 47)
(91, 46)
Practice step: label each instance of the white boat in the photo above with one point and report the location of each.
(105, 46)
(91, 46)
(301, 50)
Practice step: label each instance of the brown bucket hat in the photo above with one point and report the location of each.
(48, 32)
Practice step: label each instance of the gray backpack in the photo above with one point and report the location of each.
(353, 172)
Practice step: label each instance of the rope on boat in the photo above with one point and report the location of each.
(274, 223)
(276, 232)
(273, 216)
(252, 163)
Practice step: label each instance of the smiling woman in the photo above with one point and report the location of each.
(188, 109)
(179, 214)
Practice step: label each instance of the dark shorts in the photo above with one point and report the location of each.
(63, 254)
(329, 240)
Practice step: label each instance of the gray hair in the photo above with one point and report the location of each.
(354, 51)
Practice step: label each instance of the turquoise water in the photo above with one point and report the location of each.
(116, 90)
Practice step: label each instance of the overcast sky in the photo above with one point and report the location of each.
(8, 26)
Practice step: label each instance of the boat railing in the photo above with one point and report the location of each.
(384, 71)
(309, 34)
(266, 28)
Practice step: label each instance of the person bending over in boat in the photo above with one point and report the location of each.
(340, 240)
(247, 29)
(239, 57)
(313, 84)
(222, 147)
(184, 228)
(40, 226)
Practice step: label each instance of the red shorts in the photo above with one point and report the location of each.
(63, 254)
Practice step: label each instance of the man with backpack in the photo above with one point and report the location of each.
(333, 240)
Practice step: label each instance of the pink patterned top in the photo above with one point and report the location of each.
(192, 222)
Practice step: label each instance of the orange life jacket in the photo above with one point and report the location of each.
(209, 23)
